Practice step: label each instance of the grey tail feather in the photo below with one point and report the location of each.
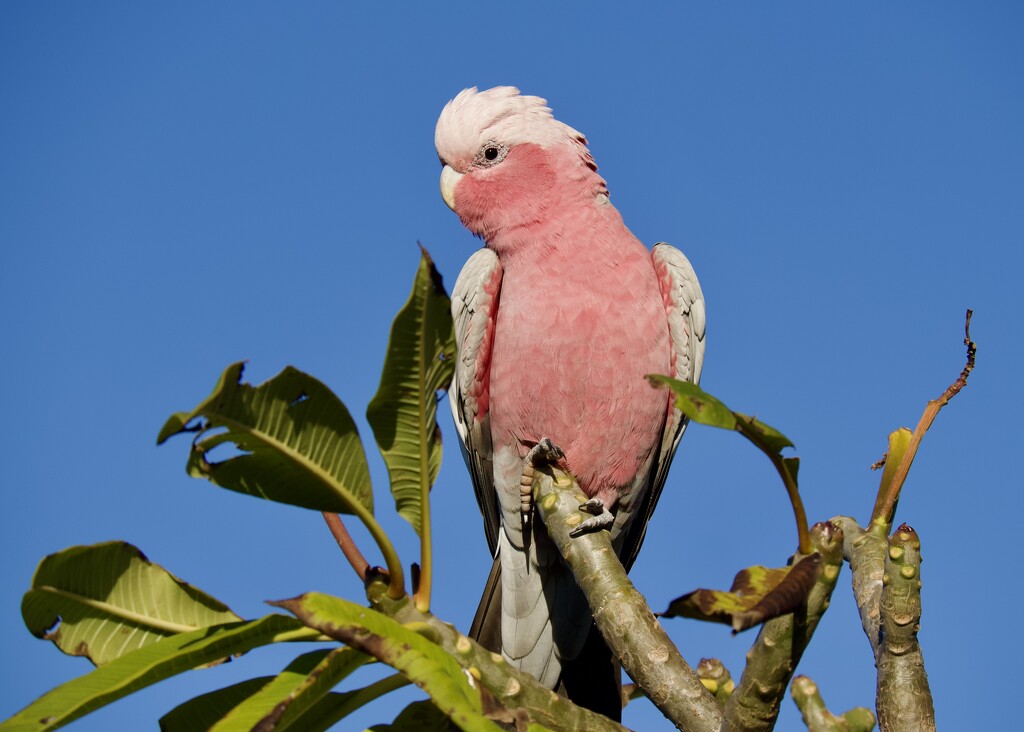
(592, 680)
(486, 627)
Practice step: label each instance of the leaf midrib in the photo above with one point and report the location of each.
(317, 471)
(164, 626)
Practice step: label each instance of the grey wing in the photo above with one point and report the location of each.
(474, 308)
(685, 306)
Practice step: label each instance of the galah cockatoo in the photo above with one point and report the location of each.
(557, 320)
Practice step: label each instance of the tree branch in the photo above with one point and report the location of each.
(754, 705)
(865, 551)
(818, 718)
(904, 700)
(620, 611)
(887, 589)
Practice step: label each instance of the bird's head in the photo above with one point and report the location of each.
(508, 163)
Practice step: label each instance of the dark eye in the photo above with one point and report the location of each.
(490, 153)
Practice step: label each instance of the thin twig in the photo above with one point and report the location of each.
(885, 509)
(347, 546)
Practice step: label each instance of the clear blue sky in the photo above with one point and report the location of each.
(185, 185)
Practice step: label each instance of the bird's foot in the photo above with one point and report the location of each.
(600, 518)
(544, 452)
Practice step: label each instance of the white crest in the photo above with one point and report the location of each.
(501, 115)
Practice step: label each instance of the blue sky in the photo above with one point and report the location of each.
(186, 185)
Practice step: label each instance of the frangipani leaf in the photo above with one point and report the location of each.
(299, 443)
(283, 702)
(203, 712)
(757, 594)
(403, 414)
(420, 716)
(769, 439)
(150, 664)
(701, 407)
(792, 465)
(106, 600)
(696, 403)
(200, 713)
(423, 716)
(418, 659)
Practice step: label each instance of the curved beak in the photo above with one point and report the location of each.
(449, 179)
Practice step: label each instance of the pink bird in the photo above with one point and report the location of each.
(558, 319)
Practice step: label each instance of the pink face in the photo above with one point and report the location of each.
(509, 192)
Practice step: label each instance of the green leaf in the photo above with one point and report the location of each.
(150, 664)
(423, 716)
(299, 443)
(792, 466)
(403, 414)
(701, 407)
(201, 712)
(418, 659)
(106, 600)
(295, 691)
(696, 403)
(769, 439)
(420, 716)
(757, 594)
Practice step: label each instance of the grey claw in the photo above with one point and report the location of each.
(601, 518)
(546, 452)
(594, 506)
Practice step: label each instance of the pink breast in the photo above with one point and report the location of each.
(575, 337)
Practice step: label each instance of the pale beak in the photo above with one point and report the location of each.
(449, 179)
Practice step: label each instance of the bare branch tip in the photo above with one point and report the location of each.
(972, 347)
(972, 350)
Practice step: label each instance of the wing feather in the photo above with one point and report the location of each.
(474, 307)
(684, 304)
